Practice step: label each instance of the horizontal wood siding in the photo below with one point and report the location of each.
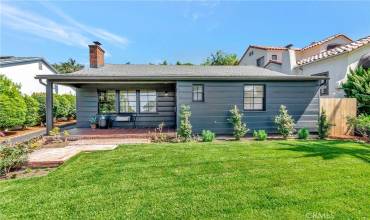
(87, 105)
(300, 98)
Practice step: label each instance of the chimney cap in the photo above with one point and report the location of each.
(289, 46)
(97, 43)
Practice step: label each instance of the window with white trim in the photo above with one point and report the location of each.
(198, 92)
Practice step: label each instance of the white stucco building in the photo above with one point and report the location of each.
(22, 70)
(333, 57)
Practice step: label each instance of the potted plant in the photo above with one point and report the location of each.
(93, 122)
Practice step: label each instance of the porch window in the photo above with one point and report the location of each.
(254, 97)
(107, 101)
(148, 101)
(127, 101)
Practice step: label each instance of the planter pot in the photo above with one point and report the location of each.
(93, 126)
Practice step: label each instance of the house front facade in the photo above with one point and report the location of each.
(332, 57)
(155, 93)
(22, 70)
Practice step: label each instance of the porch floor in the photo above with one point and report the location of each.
(88, 133)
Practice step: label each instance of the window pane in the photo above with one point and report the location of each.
(198, 93)
(148, 101)
(127, 101)
(107, 101)
(254, 97)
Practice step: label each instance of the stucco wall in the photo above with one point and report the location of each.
(257, 53)
(24, 74)
(337, 66)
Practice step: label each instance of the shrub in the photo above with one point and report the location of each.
(32, 116)
(12, 157)
(41, 99)
(358, 86)
(12, 106)
(284, 122)
(62, 106)
(240, 128)
(72, 105)
(159, 136)
(303, 133)
(260, 135)
(323, 125)
(208, 136)
(185, 129)
(361, 124)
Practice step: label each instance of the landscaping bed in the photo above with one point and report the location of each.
(224, 179)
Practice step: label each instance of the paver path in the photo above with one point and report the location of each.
(51, 157)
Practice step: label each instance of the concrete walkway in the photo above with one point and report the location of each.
(52, 157)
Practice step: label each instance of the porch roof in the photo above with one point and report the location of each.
(114, 72)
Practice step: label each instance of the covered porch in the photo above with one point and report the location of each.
(133, 108)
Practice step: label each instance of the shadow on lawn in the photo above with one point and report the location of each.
(330, 150)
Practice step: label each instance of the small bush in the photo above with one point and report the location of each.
(284, 122)
(185, 129)
(159, 136)
(323, 125)
(12, 157)
(208, 136)
(303, 133)
(361, 125)
(260, 135)
(62, 106)
(32, 116)
(240, 128)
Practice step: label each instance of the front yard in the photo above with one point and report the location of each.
(273, 179)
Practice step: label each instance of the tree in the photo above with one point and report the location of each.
(284, 122)
(236, 119)
(221, 58)
(69, 66)
(12, 106)
(358, 86)
(323, 125)
(164, 63)
(32, 116)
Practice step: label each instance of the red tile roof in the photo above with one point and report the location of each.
(336, 51)
(325, 40)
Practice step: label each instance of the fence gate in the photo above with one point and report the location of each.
(337, 111)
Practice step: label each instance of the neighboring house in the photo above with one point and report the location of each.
(154, 93)
(22, 70)
(332, 57)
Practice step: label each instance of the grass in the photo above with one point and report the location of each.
(259, 180)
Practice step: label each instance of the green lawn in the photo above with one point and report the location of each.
(275, 179)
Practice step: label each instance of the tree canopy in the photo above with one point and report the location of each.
(69, 66)
(221, 58)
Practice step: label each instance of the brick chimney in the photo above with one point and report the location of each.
(96, 55)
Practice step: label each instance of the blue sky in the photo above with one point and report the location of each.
(143, 32)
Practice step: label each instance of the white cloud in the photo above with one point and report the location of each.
(71, 33)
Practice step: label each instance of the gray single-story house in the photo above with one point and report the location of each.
(154, 94)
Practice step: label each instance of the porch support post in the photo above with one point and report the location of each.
(49, 106)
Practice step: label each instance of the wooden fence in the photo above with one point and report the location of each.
(337, 110)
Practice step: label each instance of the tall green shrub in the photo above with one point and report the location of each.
(236, 119)
(323, 125)
(63, 106)
(284, 122)
(41, 100)
(361, 125)
(358, 86)
(12, 106)
(72, 105)
(32, 116)
(185, 129)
